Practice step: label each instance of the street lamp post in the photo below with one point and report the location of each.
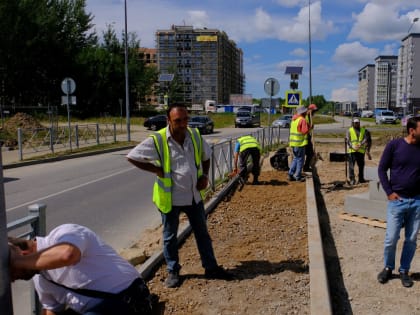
(310, 55)
(406, 98)
(127, 101)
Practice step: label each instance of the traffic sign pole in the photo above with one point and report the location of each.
(68, 86)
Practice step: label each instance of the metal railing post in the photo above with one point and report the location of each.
(213, 166)
(115, 132)
(6, 304)
(52, 139)
(20, 145)
(76, 134)
(40, 229)
(97, 133)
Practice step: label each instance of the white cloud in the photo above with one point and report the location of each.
(298, 52)
(354, 54)
(343, 95)
(199, 19)
(380, 20)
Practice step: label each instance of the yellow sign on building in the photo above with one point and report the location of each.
(207, 38)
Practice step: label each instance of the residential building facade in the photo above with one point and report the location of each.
(386, 82)
(408, 79)
(366, 93)
(207, 65)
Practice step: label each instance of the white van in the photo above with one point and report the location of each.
(210, 106)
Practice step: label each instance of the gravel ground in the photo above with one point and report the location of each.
(260, 234)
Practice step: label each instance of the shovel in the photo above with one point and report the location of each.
(345, 160)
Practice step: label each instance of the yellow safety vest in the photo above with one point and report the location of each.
(354, 140)
(162, 188)
(247, 142)
(297, 139)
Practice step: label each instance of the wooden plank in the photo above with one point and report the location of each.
(363, 220)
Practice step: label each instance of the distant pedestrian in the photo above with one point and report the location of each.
(298, 140)
(309, 149)
(247, 146)
(357, 140)
(180, 159)
(401, 158)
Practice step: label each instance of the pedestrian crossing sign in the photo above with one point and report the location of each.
(293, 98)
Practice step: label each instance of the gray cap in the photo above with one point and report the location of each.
(301, 110)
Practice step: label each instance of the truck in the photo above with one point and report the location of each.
(210, 106)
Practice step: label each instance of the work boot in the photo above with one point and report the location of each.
(384, 275)
(406, 279)
(172, 280)
(255, 181)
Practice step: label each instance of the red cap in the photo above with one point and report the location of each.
(313, 106)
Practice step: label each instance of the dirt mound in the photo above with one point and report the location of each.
(20, 120)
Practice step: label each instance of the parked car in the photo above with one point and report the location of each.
(247, 119)
(203, 123)
(283, 121)
(356, 114)
(155, 122)
(385, 117)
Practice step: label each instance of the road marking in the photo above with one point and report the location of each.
(69, 189)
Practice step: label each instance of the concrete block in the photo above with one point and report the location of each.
(376, 191)
(371, 173)
(361, 205)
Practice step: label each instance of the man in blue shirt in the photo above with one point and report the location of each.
(401, 157)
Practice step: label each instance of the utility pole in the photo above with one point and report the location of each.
(127, 94)
(310, 56)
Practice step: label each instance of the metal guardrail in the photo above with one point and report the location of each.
(53, 138)
(35, 224)
(223, 152)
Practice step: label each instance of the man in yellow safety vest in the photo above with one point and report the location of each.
(180, 158)
(247, 146)
(357, 139)
(297, 141)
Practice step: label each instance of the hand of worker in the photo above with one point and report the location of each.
(202, 182)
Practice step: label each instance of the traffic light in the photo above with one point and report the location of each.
(293, 85)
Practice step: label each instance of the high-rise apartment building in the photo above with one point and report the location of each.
(408, 79)
(366, 91)
(386, 82)
(206, 64)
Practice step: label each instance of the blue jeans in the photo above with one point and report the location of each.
(197, 219)
(297, 162)
(405, 211)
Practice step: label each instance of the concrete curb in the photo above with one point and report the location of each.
(319, 289)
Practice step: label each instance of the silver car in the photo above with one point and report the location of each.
(283, 121)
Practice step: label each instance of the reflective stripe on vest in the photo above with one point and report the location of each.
(162, 188)
(247, 142)
(297, 139)
(354, 140)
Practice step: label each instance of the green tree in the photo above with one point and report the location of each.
(40, 41)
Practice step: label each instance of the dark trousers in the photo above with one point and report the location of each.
(309, 153)
(359, 159)
(255, 155)
(197, 218)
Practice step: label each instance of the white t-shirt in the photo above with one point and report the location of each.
(183, 169)
(100, 268)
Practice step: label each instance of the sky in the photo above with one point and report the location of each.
(345, 36)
